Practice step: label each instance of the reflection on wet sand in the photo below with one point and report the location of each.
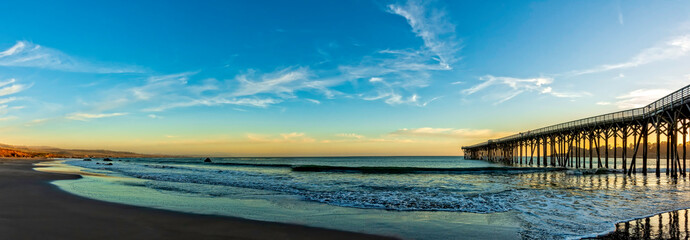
(670, 225)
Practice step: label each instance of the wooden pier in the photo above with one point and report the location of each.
(586, 143)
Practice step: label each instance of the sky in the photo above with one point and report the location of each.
(325, 78)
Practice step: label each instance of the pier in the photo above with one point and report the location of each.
(585, 143)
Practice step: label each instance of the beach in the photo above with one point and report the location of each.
(302, 197)
(32, 208)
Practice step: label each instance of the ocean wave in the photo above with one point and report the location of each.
(408, 170)
(550, 205)
(273, 165)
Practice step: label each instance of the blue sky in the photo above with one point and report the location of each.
(292, 78)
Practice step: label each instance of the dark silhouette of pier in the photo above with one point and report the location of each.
(576, 144)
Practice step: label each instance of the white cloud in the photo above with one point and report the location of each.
(516, 86)
(283, 83)
(640, 98)
(10, 87)
(313, 101)
(7, 82)
(450, 133)
(406, 70)
(569, 94)
(217, 101)
(253, 89)
(293, 137)
(430, 26)
(7, 100)
(393, 98)
(27, 54)
(674, 48)
(520, 84)
(87, 116)
(387, 91)
(161, 85)
(37, 122)
(349, 135)
(375, 79)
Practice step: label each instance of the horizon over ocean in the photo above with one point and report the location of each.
(411, 197)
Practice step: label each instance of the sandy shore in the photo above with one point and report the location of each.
(32, 208)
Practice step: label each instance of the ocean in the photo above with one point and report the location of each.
(407, 197)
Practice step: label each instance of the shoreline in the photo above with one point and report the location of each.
(33, 209)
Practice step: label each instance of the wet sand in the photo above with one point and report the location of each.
(32, 208)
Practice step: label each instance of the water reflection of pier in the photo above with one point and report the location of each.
(670, 225)
(575, 144)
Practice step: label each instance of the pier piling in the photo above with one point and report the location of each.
(570, 144)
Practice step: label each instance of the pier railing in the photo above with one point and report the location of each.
(677, 98)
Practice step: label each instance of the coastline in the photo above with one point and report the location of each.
(32, 208)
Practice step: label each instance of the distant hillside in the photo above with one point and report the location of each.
(51, 152)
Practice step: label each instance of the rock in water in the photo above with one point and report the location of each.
(207, 160)
(107, 159)
(108, 164)
(87, 159)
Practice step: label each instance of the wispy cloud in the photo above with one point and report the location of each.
(87, 116)
(603, 103)
(387, 92)
(27, 54)
(283, 83)
(407, 70)
(293, 137)
(10, 87)
(161, 85)
(314, 101)
(449, 133)
(7, 100)
(676, 47)
(673, 48)
(37, 122)
(216, 101)
(639, 98)
(430, 26)
(358, 138)
(350, 135)
(250, 89)
(404, 70)
(512, 87)
(520, 84)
